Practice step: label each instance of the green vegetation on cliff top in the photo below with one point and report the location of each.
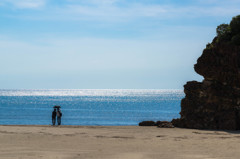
(227, 33)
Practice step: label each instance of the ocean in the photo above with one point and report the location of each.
(105, 107)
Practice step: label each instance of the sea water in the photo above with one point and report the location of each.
(89, 106)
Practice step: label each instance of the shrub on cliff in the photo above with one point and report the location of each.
(224, 32)
(228, 33)
(235, 25)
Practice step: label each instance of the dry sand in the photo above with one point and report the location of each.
(116, 142)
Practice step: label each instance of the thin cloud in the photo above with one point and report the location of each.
(25, 4)
(218, 2)
(123, 11)
(133, 11)
(103, 2)
(137, 10)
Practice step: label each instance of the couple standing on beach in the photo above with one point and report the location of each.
(56, 113)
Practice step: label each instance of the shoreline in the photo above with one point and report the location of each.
(115, 142)
(120, 126)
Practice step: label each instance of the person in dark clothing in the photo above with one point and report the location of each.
(54, 114)
(59, 115)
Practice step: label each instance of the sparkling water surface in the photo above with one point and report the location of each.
(89, 106)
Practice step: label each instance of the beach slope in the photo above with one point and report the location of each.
(116, 142)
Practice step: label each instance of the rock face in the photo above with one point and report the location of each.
(214, 103)
(160, 124)
(164, 124)
(147, 123)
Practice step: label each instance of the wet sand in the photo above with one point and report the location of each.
(116, 142)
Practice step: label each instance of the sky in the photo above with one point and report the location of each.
(106, 44)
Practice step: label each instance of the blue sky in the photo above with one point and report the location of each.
(106, 44)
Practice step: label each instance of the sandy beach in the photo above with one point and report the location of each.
(116, 142)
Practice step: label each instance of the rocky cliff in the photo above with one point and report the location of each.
(214, 103)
